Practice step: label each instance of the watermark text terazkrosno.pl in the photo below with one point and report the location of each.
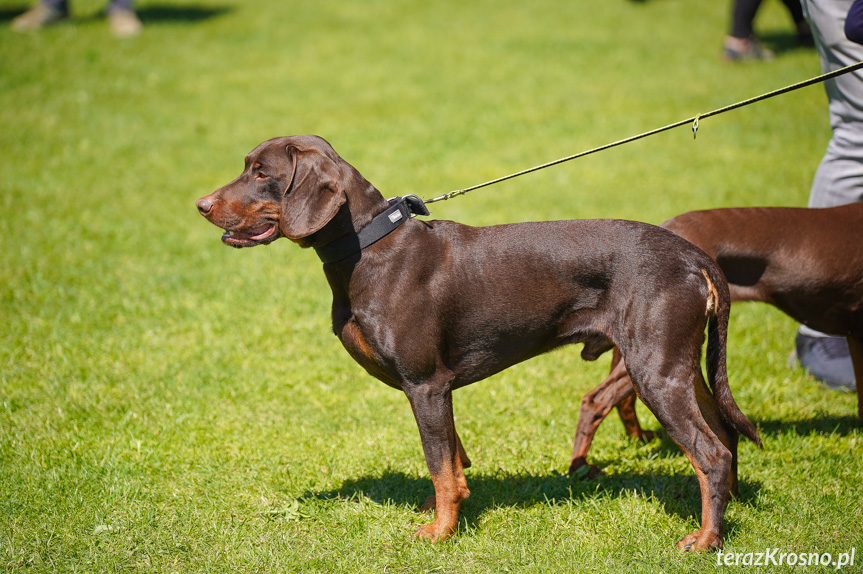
(776, 557)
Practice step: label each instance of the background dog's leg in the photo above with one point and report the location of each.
(432, 407)
(626, 410)
(595, 406)
(465, 461)
(682, 420)
(855, 347)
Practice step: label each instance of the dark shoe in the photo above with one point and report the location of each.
(827, 359)
(37, 18)
(124, 23)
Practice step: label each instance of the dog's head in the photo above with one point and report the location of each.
(290, 187)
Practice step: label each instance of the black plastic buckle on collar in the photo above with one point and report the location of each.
(400, 210)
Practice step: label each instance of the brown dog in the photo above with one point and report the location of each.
(428, 307)
(806, 262)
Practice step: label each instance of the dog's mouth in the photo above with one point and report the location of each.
(250, 237)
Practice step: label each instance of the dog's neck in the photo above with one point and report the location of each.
(365, 206)
(364, 203)
(399, 211)
(357, 212)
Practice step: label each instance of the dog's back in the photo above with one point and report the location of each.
(510, 292)
(807, 262)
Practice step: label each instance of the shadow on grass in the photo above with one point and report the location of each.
(154, 13)
(679, 494)
(783, 42)
(9, 12)
(840, 425)
(150, 14)
(824, 425)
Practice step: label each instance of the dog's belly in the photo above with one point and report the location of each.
(475, 353)
(469, 352)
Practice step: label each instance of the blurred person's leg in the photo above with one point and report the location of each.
(122, 19)
(740, 43)
(43, 14)
(839, 177)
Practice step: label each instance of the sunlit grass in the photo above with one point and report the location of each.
(168, 404)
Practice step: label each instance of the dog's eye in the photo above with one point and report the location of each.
(260, 175)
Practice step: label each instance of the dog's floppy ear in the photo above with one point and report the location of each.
(314, 194)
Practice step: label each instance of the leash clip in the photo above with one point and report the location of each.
(695, 126)
(416, 205)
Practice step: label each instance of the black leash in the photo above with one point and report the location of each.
(403, 208)
(693, 121)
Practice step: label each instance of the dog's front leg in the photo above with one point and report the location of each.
(465, 463)
(431, 403)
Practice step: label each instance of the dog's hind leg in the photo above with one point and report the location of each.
(595, 406)
(677, 399)
(724, 431)
(626, 408)
(431, 402)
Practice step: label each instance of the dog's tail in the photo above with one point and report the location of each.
(717, 373)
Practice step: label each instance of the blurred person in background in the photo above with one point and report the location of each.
(741, 42)
(122, 20)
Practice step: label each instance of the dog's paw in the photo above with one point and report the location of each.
(434, 532)
(700, 541)
(579, 468)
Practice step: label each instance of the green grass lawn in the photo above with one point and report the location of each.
(168, 404)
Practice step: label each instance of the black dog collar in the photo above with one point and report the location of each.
(400, 210)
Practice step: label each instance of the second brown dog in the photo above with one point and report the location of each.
(806, 262)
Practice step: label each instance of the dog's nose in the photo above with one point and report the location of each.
(205, 206)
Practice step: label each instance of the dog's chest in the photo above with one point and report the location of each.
(357, 345)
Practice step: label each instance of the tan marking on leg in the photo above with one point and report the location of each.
(451, 490)
(710, 412)
(709, 536)
(702, 539)
(431, 501)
